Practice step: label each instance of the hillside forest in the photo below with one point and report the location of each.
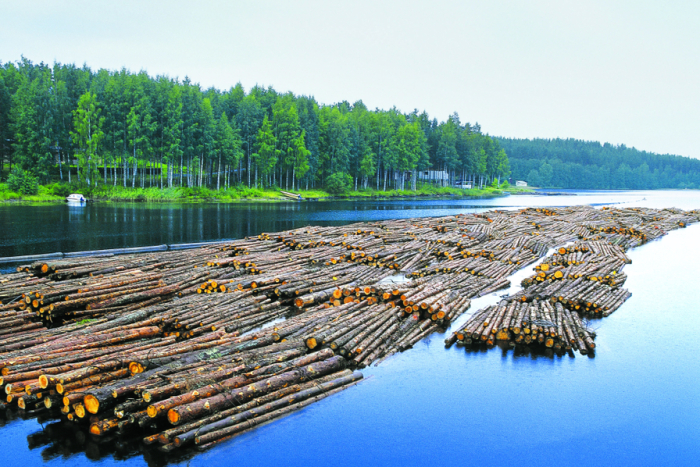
(571, 163)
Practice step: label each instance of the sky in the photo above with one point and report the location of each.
(624, 72)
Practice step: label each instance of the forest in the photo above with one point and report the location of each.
(71, 124)
(572, 163)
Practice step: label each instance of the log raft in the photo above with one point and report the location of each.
(191, 347)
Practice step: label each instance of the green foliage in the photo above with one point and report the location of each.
(22, 181)
(88, 134)
(533, 177)
(338, 183)
(6, 194)
(300, 157)
(266, 156)
(546, 173)
(129, 129)
(505, 185)
(571, 163)
(60, 189)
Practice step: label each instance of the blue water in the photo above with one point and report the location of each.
(48, 228)
(636, 403)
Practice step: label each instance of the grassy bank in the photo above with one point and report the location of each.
(57, 192)
(45, 194)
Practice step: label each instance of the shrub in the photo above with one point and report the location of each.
(23, 182)
(61, 189)
(505, 184)
(338, 183)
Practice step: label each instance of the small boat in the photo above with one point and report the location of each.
(76, 198)
(289, 195)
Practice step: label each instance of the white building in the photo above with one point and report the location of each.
(433, 175)
(520, 183)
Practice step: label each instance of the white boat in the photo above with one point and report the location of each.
(76, 198)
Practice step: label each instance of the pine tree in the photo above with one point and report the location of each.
(88, 133)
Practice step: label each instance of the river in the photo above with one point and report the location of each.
(636, 402)
(47, 228)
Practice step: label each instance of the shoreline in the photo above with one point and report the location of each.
(151, 195)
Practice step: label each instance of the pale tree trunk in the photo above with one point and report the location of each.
(201, 168)
(218, 173)
(136, 168)
(60, 166)
(378, 165)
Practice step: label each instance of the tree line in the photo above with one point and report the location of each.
(122, 128)
(572, 163)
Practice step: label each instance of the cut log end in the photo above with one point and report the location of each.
(80, 410)
(173, 417)
(43, 381)
(91, 403)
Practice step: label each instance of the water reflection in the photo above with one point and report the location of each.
(63, 440)
(36, 229)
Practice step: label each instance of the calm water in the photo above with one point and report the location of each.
(636, 403)
(48, 228)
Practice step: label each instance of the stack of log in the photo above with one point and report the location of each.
(585, 276)
(192, 347)
(549, 325)
(580, 280)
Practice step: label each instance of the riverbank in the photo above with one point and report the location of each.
(56, 193)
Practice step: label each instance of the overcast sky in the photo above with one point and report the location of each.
(616, 71)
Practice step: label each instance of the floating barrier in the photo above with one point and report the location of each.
(109, 252)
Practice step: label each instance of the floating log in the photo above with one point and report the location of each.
(196, 345)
